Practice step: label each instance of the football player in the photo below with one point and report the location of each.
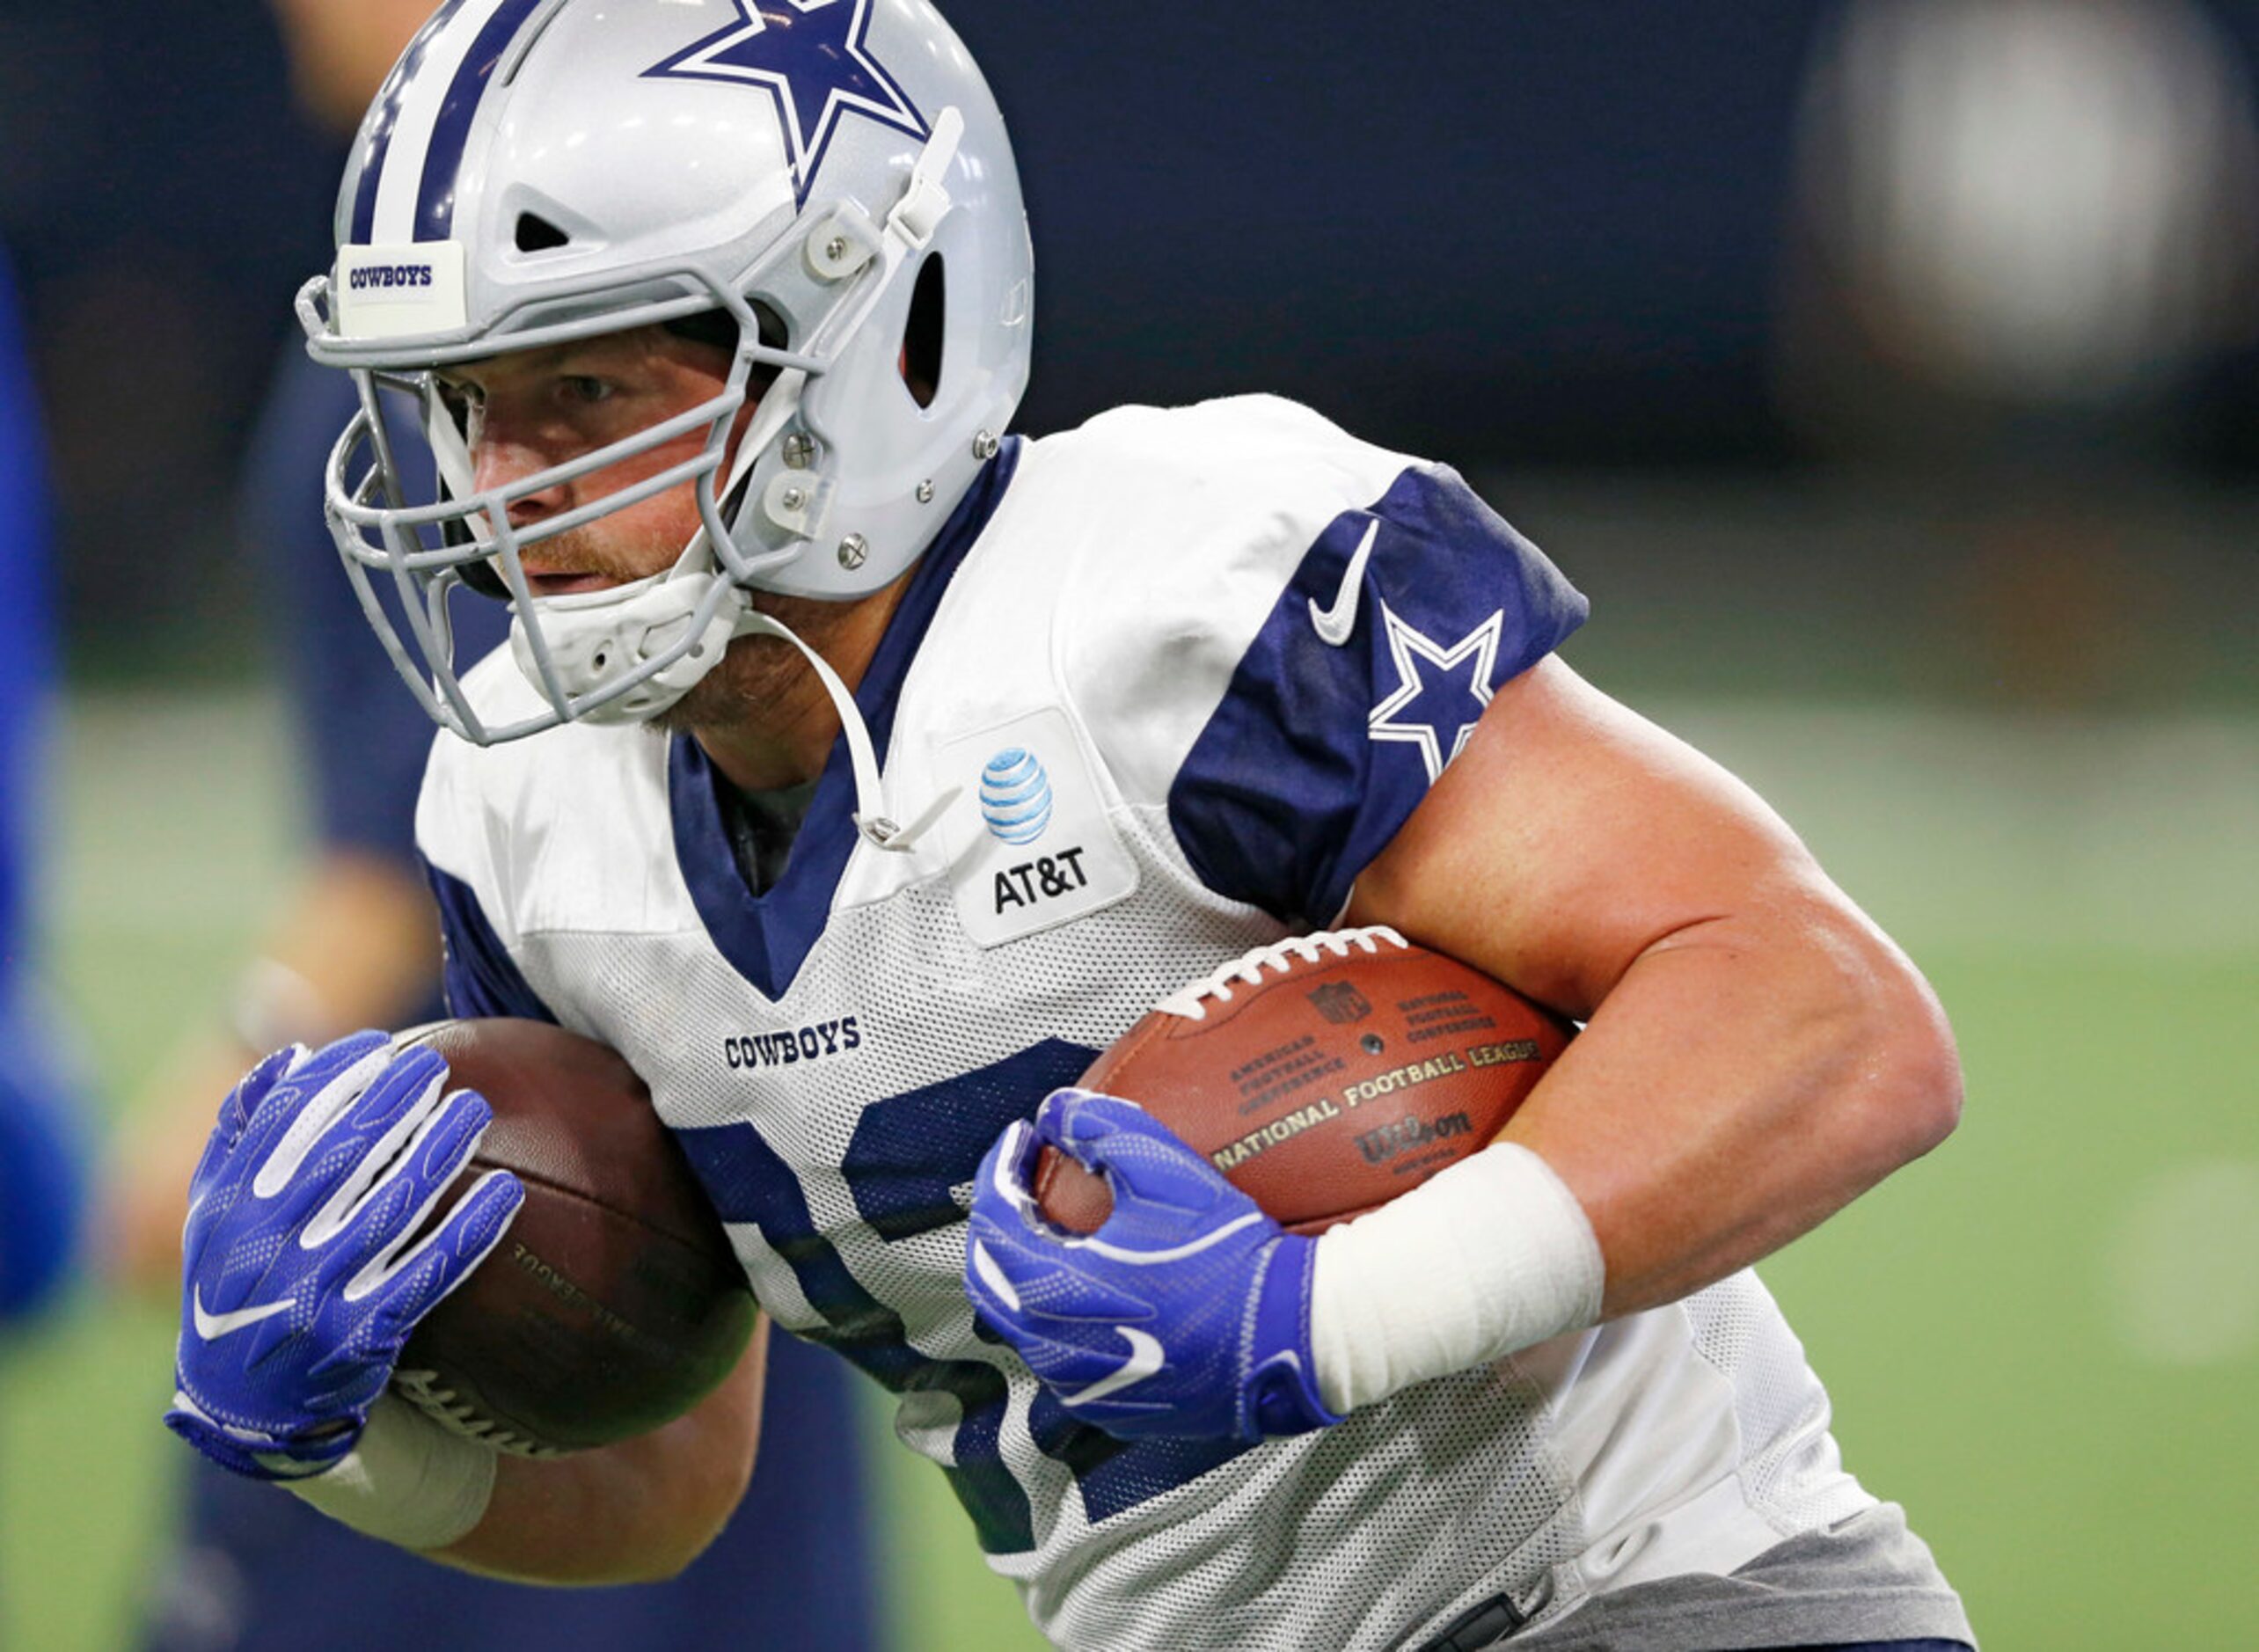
(859, 771)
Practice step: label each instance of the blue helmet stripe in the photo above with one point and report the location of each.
(379, 142)
(443, 158)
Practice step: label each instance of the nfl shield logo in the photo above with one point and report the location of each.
(1340, 1003)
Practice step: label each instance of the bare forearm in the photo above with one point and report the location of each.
(634, 1512)
(1757, 1052)
(1746, 1077)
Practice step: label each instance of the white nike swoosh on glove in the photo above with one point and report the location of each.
(1333, 625)
(212, 1327)
(1145, 1360)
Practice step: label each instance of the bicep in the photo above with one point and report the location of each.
(1572, 837)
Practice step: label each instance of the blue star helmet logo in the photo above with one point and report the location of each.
(1440, 691)
(813, 57)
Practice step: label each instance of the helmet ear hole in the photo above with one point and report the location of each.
(537, 234)
(921, 343)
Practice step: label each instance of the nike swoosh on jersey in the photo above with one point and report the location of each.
(1145, 1360)
(212, 1327)
(1333, 625)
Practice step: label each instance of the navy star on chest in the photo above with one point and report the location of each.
(814, 57)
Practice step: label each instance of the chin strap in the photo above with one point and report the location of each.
(872, 821)
(911, 225)
(665, 604)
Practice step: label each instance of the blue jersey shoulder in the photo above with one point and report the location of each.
(1365, 680)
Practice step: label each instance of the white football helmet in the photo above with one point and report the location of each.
(539, 171)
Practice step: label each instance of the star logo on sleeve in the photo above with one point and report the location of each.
(1440, 692)
(814, 58)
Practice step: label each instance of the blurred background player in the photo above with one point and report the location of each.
(357, 944)
(39, 1171)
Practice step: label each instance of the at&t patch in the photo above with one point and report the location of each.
(1039, 850)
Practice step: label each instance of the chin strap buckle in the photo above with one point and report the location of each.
(876, 829)
(924, 203)
(881, 833)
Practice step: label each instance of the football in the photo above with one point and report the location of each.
(1324, 1076)
(614, 1302)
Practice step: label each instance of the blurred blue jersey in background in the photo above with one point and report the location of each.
(40, 1183)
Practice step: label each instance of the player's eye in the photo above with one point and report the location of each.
(582, 389)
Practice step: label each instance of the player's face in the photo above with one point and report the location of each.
(527, 412)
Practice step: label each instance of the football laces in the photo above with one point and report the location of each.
(461, 1416)
(1247, 969)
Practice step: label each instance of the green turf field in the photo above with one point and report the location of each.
(2043, 1340)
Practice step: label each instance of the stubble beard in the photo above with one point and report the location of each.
(762, 685)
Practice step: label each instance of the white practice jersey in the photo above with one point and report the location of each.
(1181, 674)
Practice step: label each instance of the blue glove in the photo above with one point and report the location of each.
(300, 1282)
(1187, 1313)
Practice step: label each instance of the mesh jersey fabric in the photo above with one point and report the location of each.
(835, 1055)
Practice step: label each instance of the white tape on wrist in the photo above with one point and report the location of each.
(1489, 1257)
(408, 1481)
